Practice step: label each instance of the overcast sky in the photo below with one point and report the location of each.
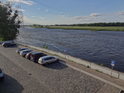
(70, 11)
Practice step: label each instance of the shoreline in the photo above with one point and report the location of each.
(92, 28)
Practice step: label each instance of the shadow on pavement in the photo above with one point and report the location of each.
(56, 65)
(10, 85)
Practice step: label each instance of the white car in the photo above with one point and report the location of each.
(24, 52)
(1, 75)
(47, 59)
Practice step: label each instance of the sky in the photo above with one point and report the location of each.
(50, 12)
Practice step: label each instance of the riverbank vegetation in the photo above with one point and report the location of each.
(91, 26)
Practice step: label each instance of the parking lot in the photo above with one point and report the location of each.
(24, 76)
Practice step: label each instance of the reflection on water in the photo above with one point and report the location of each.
(97, 46)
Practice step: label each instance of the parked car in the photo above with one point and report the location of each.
(1, 42)
(20, 49)
(47, 59)
(24, 52)
(8, 44)
(35, 56)
(28, 55)
(1, 75)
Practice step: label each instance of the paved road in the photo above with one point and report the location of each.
(24, 76)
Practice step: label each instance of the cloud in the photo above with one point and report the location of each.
(92, 15)
(27, 20)
(47, 10)
(121, 13)
(78, 17)
(39, 8)
(34, 16)
(35, 20)
(42, 18)
(95, 14)
(66, 19)
(27, 2)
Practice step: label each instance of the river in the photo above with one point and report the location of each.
(100, 47)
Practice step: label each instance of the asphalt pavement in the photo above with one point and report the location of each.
(24, 76)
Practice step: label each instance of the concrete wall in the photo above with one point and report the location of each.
(102, 69)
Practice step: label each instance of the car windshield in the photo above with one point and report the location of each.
(28, 51)
(36, 53)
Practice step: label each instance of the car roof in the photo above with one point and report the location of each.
(44, 57)
(27, 50)
(6, 42)
(37, 53)
(23, 48)
(32, 52)
(10, 41)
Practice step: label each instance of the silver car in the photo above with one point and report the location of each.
(20, 49)
(24, 52)
(47, 59)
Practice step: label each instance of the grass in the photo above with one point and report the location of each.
(93, 28)
(45, 46)
(1, 39)
(98, 71)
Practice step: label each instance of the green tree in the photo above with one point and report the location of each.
(9, 22)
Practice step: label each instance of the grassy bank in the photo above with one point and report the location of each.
(94, 28)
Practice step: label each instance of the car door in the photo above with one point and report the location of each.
(51, 59)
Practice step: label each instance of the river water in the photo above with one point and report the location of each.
(100, 47)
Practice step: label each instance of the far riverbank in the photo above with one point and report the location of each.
(92, 28)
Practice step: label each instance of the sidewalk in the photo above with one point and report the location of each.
(99, 75)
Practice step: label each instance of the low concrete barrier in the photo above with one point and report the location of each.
(99, 68)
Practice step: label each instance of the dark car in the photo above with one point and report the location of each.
(20, 49)
(35, 56)
(29, 54)
(8, 44)
(1, 75)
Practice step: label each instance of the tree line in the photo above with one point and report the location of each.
(95, 24)
(87, 24)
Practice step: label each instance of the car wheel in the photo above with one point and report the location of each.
(31, 58)
(2, 79)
